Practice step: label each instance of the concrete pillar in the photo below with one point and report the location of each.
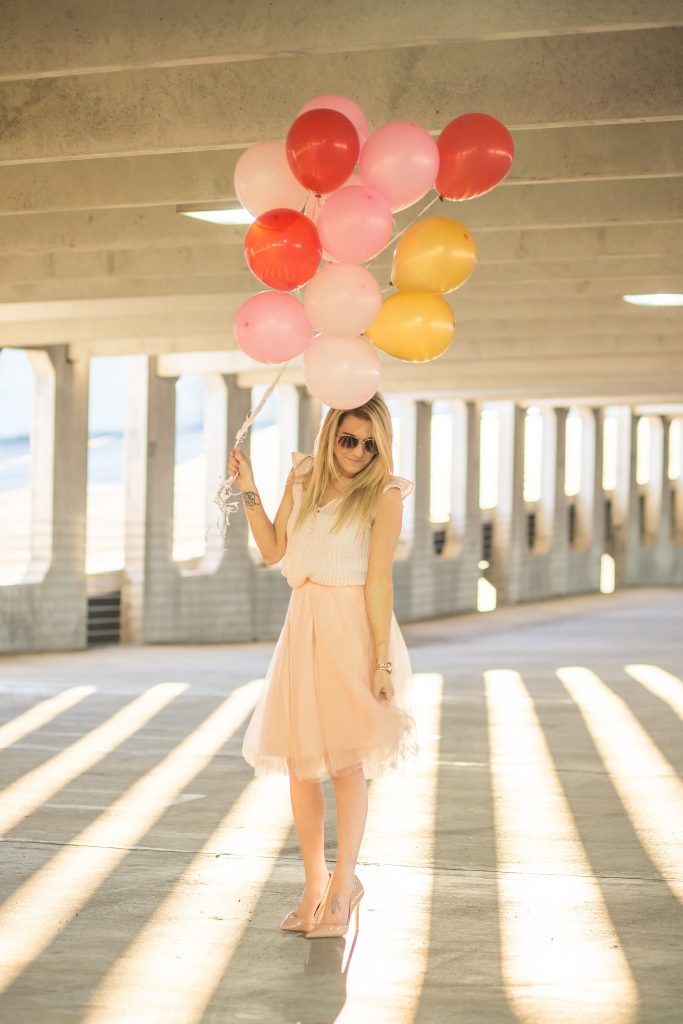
(149, 481)
(625, 511)
(308, 419)
(556, 511)
(464, 530)
(422, 555)
(592, 459)
(48, 610)
(509, 531)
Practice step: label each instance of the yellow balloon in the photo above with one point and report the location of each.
(413, 326)
(435, 255)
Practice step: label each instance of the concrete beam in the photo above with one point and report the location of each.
(470, 302)
(561, 80)
(38, 39)
(593, 153)
(496, 282)
(524, 208)
(214, 315)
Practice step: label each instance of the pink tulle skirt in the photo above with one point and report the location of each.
(316, 715)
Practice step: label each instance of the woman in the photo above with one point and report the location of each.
(336, 700)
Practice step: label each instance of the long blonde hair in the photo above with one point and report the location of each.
(360, 501)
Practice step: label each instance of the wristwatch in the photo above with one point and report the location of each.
(385, 666)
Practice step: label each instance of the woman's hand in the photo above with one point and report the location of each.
(239, 465)
(382, 687)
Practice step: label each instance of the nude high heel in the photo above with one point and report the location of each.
(294, 922)
(335, 931)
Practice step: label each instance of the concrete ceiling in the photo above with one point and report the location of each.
(113, 113)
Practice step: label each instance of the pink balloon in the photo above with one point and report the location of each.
(314, 203)
(355, 224)
(342, 299)
(342, 372)
(400, 160)
(345, 106)
(264, 181)
(272, 327)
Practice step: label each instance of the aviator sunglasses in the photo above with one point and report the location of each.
(349, 441)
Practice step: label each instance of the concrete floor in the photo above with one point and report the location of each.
(528, 869)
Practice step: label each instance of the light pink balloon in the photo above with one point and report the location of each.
(355, 224)
(264, 181)
(345, 106)
(272, 327)
(314, 203)
(342, 299)
(400, 160)
(342, 372)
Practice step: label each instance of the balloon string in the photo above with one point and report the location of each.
(224, 495)
(403, 230)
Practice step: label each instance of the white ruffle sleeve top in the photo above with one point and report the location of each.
(337, 559)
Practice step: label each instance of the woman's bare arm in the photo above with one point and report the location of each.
(379, 588)
(271, 538)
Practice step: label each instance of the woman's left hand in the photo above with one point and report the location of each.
(382, 687)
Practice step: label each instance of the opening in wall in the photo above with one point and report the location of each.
(489, 457)
(105, 509)
(533, 453)
(189, 484)
(17, 385)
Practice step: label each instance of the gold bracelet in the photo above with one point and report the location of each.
(384, 666)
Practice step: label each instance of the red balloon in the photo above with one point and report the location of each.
(322, 149)
(475, 153)
(282, 249)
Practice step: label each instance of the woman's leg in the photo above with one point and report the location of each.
(308, 808)
(351, 793)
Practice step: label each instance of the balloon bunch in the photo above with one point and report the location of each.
(330, 192)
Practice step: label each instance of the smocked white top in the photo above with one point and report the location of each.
(337, 559)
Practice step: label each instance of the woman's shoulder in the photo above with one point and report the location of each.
(404, 485)
(299, 460)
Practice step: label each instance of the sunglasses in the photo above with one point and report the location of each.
(349, 441)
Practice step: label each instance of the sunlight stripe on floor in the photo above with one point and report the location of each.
(386, 971)
(36, 787)
(560, 954)
(38, 716)
(199, 925)
(40, 908)
(648, 785)
(663, 684)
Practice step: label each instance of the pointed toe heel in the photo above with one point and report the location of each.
(337, 931)
(295, 922)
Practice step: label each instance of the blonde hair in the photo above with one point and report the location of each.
(359, 503)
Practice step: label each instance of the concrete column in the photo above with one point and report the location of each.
(557, 515)
(48, 610)
(150, 465)
(464, 530)
(509, 531)
(626, 517)
(422, 555)
(591, 478)
(308, 420)
(657, 481)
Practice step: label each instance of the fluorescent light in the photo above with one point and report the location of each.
(217, 213)
(656, 299)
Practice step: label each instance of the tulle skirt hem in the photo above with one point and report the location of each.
(316, 715)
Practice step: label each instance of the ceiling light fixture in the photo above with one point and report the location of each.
(656, 299)
(217, 213)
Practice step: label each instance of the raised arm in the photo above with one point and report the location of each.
(379, 587)
(271, 538)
